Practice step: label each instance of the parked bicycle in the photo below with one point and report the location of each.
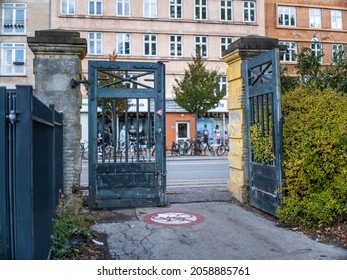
(219, 148)
(175, 149)
(186, 147)
(205, 146)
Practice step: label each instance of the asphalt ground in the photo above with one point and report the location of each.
(206, 223)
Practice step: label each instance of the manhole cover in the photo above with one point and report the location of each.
(174, 218)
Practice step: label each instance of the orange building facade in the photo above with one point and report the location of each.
(319, 25)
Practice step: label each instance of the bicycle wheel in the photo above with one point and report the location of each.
(220, 151)
(174, 150)
(181, 151)
(211, 151)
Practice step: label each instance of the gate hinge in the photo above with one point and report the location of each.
(75, 82)
(12, 117)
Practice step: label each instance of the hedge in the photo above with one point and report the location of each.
(315, 157)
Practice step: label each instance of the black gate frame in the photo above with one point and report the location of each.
(263, 107)
(118, 181)
(31, 173)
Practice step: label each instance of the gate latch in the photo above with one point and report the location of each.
(75, 82)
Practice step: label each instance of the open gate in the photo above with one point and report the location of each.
(264, 127)
(127, 153)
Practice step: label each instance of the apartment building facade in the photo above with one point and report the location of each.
(138, 30)
(319, 25)
(163, 30)
(20, 19)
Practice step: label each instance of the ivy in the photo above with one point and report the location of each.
(261, 145)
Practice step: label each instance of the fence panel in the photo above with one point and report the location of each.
(33, 174)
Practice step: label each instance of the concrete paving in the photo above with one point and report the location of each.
(215, 227)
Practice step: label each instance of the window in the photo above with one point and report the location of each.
(123, 43)
(12, 59)
(317, 50)
(201, 46)
(150, 44)
(249, 11)
(291, 52)
(200, 9)
(226, 10)
(336, 19)
(286, 16)
(337, 52)
(176, 45)
(176, 9)
(67, 7)
(14, 17)
(95, 7)
(123, 8)
(150, 8)
(224, 43)
(95, 43)
(315, 18)
(223, 84)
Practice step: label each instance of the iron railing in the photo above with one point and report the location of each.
(31, 173)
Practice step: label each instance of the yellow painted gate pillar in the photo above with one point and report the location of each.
(237, 52)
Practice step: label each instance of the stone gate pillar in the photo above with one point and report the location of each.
(58, 55)
(237, 52)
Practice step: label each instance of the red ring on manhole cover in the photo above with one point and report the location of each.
(174, 218)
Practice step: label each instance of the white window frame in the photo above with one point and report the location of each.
(336, 19)
(16, 66)
(315, 18)
(95, 43)
(123, 44)
(95, 4)
(291, 53)
(175, 9)
(150, 8)
(226, 10)
(123, 8)
(224, 43)
(69, 5)
(286, 16)
(150, 42)
(317, 49)
(176, 45)
(249, 10)
(187, 124)
(223, 83)
(201, 44)
(201, 10)
(335, 49)
(13, 26)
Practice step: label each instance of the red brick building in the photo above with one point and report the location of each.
(320, 25)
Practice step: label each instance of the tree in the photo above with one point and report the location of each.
(198, 91)
(335, 74)
(308, 66)
(311, 72)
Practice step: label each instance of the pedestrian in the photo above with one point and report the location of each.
(217, 135)
(205, 134)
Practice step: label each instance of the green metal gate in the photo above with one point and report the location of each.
(127, 153)
(264, 128)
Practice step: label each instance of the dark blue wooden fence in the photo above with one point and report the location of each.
(31, 173)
